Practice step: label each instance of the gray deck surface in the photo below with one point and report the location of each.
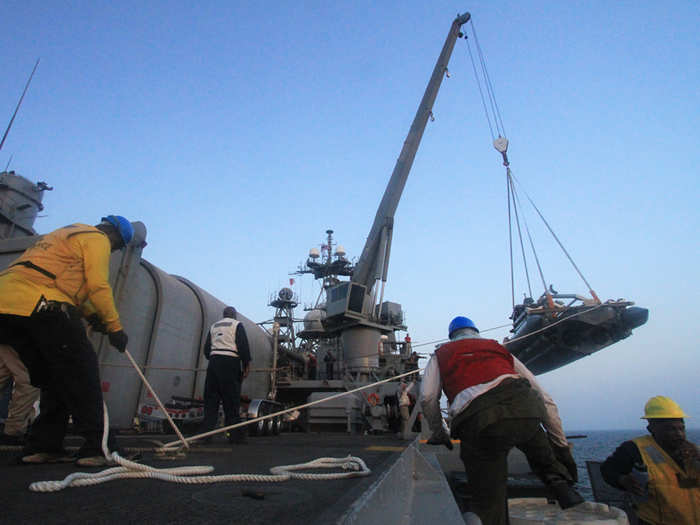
(155, 501)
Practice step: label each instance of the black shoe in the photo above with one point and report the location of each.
(565, 495)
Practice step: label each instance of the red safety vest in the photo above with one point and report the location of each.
(468, 362)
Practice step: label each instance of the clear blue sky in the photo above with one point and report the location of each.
(238, 132)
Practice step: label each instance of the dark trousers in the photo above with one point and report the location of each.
(487, 437)
(62, 363)
(223, 384)
(485, 461)
(5, 396)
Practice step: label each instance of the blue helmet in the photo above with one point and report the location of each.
(123, 226)
(460, 322)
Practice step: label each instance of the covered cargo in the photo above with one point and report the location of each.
(167, 318)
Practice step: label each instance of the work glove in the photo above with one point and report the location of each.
(441, 438)
(96, 324)
(563, 455)
(118, 340)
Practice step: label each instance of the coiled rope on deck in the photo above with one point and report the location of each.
(127, 469)
(353, 466)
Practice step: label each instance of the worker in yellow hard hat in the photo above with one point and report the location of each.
(661, 471)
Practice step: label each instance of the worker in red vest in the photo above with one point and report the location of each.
(495, 403)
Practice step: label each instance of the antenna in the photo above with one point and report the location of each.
(19, 104)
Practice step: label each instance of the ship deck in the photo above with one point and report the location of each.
(154, 501)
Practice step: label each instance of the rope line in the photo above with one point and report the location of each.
(481, 91)
(127, 469)
(532, 245)
(494, 111)
(556, 238)
(353, 467)
(510, 245)
(489, 85)
(155, 396)
(174, 368)
(170, 446)
(520, 233)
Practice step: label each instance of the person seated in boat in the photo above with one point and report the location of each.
(660, 472)
(495, 404)
(518, 310)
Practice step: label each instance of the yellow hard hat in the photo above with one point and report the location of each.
(662, 407)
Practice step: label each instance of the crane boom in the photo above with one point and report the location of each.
(374, 261)
(351, 306)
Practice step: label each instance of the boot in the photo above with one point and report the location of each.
(565, 495)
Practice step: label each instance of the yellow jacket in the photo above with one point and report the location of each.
(73, 267)
(673, 498)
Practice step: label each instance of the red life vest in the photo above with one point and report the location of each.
(468, 362)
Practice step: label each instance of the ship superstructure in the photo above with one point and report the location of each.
(20, 203)
(320, 359)
(351, 327)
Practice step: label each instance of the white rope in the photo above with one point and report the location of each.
(160, 404)
(171, 446)
(353, 467)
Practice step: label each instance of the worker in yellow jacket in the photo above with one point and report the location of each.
(44, 295)
(660, 471)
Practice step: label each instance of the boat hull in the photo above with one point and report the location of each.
(549, 340)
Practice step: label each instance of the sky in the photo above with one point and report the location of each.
(238, 132)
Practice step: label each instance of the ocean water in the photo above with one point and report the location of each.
(599, 444)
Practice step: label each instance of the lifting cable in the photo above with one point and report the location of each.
(493, 113)
(516, 198)
(510, 249)
(511, 195)
(498, 121)
(556, 238)
(484, 83)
